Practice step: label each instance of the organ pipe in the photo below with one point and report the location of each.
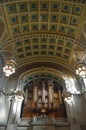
(33, 105)
(50, 85)
(45, 97)
(50, 95)
(60, 97)
(35, 94)
(39, 103)
(46, 103)
(26, 95)
(43, 93)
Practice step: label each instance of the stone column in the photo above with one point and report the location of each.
(18, 109)
(68, 111)
(84, 79)
(11, 124)
(74, 124)
(71, 115)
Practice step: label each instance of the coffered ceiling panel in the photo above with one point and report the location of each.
(46, 16)
(37, 30)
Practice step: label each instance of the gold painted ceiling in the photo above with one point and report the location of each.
(43, 33)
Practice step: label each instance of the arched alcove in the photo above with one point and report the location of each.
(38, 77)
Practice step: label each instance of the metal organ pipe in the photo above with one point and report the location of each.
(60, 97)
(50, 85)
(43, 92)
(45, 98)
(39, 103)
(50, 94)
(46, 103)
(26, 95)
(52, 91)
(35, 94)
(33, 105)
(43, 95)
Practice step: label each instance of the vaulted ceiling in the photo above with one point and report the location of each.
(43, 33)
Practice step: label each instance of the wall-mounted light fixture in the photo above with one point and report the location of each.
(9, 62)
(80, 63)
(10, 67)
(81, 69)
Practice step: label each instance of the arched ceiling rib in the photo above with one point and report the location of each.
(64, 70)
(42, 74)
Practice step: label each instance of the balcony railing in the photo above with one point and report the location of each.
(42, 120)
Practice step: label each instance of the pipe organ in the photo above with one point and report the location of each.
(45, 98)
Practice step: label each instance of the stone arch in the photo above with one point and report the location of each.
(43, 73)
